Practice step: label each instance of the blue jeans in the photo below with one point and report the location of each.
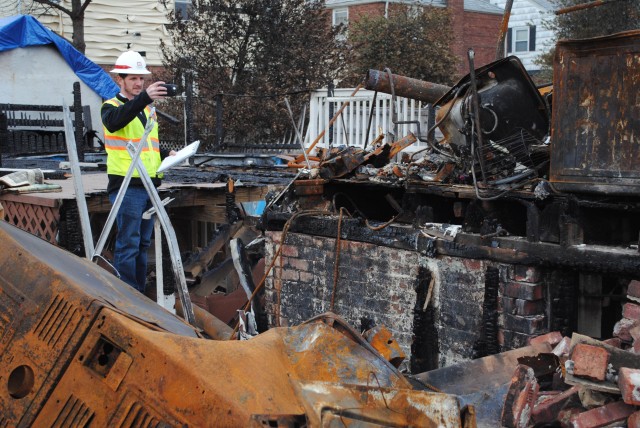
(133, 238)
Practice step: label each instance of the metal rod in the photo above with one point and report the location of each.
(123, 188)
(83, 211)
(295, 127)
(172, 241)
(476, 110)
(333, 119)
(589, 5)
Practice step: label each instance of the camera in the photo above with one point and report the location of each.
(172, 90)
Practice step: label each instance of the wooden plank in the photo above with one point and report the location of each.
(31, 199)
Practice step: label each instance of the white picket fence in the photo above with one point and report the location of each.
(351, 127)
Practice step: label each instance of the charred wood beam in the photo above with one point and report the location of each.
(199, 264)
(513, 250)
(586, 258)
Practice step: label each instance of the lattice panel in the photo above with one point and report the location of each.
(35, 219)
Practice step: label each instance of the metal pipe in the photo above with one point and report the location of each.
(300, 138)
(406, 87)
(476, 112)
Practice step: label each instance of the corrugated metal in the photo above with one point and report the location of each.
(596, 114)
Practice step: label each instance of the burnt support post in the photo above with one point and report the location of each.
(533, 222)
(78, 122)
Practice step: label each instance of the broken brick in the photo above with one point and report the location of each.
(608, 414)
(526, 273)
(623, 327)
(634, 420)
(562, 349)
(524, 290)
(528, 325)
(633, 290)
(635, 332)
(520, 398)
(547, 410)
(614, 341)
(590, 361)
(552, 338)
(631, 311)
(629, 383)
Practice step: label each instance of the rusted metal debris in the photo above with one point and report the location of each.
(595, 118)
(79, 347)
(402, 86)
(501, 143)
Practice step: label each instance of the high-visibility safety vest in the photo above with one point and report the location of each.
(118, 159)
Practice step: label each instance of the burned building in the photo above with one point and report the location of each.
(523, 220)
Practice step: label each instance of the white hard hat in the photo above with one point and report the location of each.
(130, 62)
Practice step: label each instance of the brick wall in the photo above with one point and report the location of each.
(481, 33)
(524, 296)
(374, 283)
(371, 9)
(387, 286)
(458, 299)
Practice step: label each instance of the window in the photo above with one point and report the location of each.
(183, 9)
(521, 39)
(521, 42)
(340, 16)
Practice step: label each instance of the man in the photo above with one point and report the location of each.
(124, 118)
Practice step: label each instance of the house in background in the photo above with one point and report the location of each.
(527, 38)
(27, 49)
(113, 26)
(475, 23)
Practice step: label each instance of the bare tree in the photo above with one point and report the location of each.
(608, 18)
(411, 42)
(250, 54)
(75, 11)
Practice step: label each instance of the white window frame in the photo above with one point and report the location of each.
(336, 19)
(514, 36)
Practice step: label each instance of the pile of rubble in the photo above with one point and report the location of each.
(583, 382)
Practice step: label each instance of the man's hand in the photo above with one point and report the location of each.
(156, 91)
(173, 153)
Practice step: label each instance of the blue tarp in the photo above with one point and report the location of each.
(22, 31)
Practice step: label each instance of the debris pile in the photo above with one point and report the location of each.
(494, 127)
(583, 382)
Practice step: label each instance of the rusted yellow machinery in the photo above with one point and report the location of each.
(80, 348)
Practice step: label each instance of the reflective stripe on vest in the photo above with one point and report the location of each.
(115, 143)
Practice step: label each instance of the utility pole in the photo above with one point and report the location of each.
(504, 27)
